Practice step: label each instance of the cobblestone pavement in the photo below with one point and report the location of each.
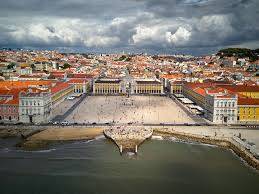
(136, 109)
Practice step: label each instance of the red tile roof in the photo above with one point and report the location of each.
(78, 81)
(242, 88)
(12, 92)
(23, 84)
(59, 87)
(248, 101)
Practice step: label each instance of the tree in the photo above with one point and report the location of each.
(33, 66)
(239, 52)
(11, 65)
(66, 66)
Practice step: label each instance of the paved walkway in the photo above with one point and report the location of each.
(136, 109)
(61, 118)
(128, 138)
(249, 137)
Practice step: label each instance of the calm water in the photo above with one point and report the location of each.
(96, 167)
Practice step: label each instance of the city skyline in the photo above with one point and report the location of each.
(194, 27)
(132, 96)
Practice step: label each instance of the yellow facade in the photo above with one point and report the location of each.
(176, 88)
(107, 88)
(61, 94)
(248, 113)
(79, 87)
(148, 88)
(254, 95)
(197, 98)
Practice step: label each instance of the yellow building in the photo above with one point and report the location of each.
(60, 91)
(81, 86)
(148, 87)
(248, 91)
(248, 110)
(107, 86)
(176, 87)
(251, 94)
(194, 92)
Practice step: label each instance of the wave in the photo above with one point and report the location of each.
(83, 141)
(36, 151)
(156, 137)
(71, 158)
(5, 150)
(99, 137)
(173, 139)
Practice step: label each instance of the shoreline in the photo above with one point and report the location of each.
(224, 142)
(40, 138)
(55, 136)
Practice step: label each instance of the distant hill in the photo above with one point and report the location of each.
(256, 51)
(239, 52)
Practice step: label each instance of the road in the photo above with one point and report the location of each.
(60, 118)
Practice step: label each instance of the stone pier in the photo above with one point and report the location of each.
(128, 138)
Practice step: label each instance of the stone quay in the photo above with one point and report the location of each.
(128, 138)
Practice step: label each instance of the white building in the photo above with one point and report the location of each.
(221, 108)
(24, 70)
(35, 106)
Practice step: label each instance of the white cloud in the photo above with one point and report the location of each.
(71, 32)
(141, 24)
(180, 37)
(219, 24)
(144, 33)
(141, 30)
(101, 41)
(119, 21)
(63, 31)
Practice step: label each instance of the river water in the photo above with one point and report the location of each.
(97, 167)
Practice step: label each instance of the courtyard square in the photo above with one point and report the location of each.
(123, 110)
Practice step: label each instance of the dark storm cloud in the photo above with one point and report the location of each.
(65, 8)
(194, 8)
(149, 25)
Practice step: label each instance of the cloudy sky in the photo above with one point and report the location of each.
(152, 26)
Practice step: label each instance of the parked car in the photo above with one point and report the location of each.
(70, 98)
(65, 123)
(55, 123)
(19, 123)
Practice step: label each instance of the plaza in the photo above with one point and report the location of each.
(123, 110)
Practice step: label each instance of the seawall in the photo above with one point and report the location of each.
(224, 142)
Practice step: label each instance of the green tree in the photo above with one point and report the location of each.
(239, 52)
(66, 66)
(33, 66)
(11, 65)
